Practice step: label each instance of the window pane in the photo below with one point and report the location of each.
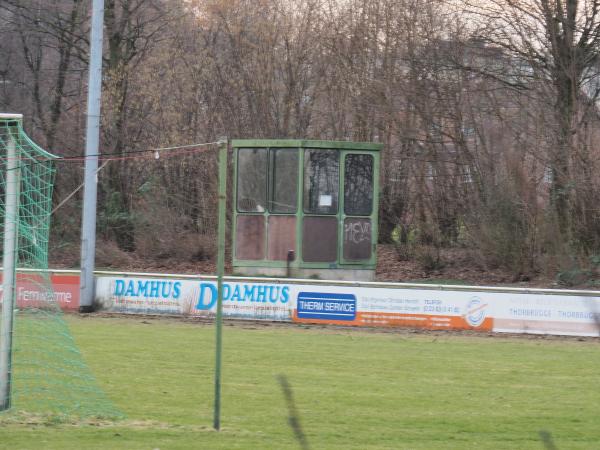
(281, 237)
(358, 185)
(284, 180)
(357, 238)
(250, 237)
(319, 239)
(251, 182)
(321, 181)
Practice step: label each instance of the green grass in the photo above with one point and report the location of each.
(353, 389)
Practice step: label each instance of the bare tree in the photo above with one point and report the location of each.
(49, 39)
(554, 46)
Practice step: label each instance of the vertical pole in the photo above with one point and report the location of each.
(11, 223)
(90, 190)
(220, 273)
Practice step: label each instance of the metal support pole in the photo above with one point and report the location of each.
(11, 223)
(90, 190)
(220, 273)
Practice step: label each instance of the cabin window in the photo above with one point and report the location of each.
(358, 185)
(321, 181)
(251, 180)
(284, 181)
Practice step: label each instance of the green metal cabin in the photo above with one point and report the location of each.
(305, 209)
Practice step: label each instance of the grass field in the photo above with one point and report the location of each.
(353, 389)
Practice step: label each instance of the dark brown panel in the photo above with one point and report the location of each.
(319, 240)
(250, 237)
(357, 239)
(281, 237)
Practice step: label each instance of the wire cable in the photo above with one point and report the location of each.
(185, 149)
(121, 155)
(68, 197)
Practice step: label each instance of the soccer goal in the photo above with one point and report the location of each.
(41, 368)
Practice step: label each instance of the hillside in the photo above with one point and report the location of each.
(456, 266)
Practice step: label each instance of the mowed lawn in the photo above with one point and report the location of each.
(353, 389)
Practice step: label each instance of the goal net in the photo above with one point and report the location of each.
(41, 369)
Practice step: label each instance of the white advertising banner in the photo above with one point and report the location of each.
(190, 297)
(359, 305)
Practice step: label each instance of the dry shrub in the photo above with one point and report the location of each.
(503, 230)
(162, 233)
(108, 254)
(429, 257)
(566, 260)
(187, 246)
(188, 305)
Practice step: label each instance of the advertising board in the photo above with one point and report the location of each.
(381, 307)
(513, 312)
(358, 304)
(251, 300)
(33, 290)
